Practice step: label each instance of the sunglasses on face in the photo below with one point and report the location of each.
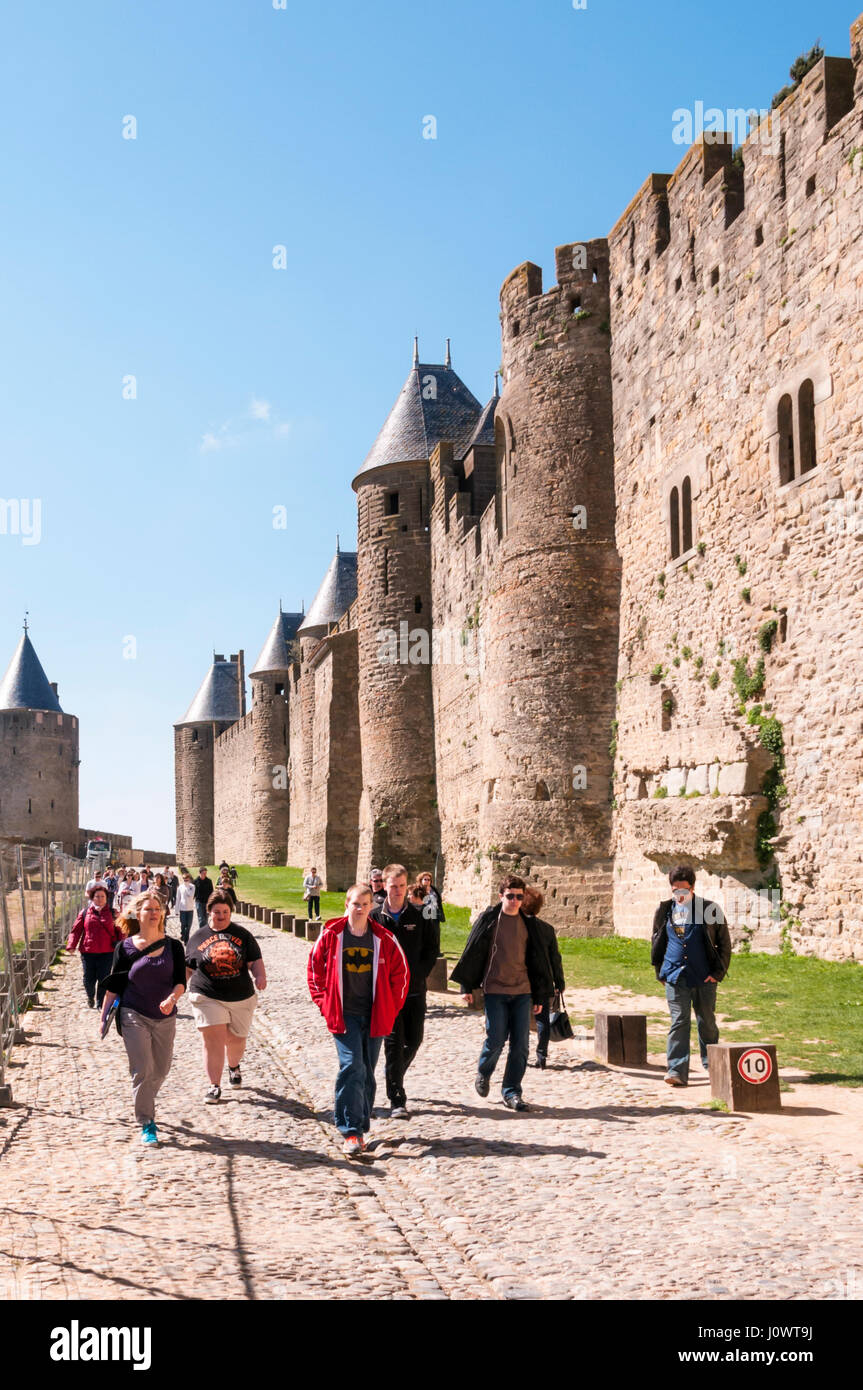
(513, 895)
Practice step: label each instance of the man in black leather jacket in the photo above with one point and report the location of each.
(506, 954)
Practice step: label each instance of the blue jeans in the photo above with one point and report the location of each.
(185, 926)
(543, 1030)
(682, 998)
(201, 909)
(314, 906)
(506, 1016)
(355, 1083)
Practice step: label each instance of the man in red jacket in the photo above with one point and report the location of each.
(358, 977)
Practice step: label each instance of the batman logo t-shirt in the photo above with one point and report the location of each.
(358, 954)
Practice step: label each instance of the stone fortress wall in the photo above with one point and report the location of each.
(672, 487)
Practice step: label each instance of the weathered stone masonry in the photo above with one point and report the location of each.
(668, 485)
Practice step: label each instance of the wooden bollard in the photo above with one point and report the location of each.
(436, 979)
(313, 930)
(745, 1076)
(276, 920)
(288, 922)
(300, 925)
(267, 916)
(620, 1039)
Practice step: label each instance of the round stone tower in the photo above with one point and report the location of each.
(398, 811)
(220, 702)
(38, 756)
(549, 628)
(270, 723)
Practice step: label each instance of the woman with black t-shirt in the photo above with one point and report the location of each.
(223, 966)
(149, 974)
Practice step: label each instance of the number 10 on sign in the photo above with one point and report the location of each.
(755, 1065)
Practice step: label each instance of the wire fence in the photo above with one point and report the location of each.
(41, 893)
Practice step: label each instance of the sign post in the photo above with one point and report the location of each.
(745, 1076)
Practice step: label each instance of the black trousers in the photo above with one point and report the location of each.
(403, 1044)
(97, 966)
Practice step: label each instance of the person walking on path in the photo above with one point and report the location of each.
(419, 937)
(433, 900)
(312, 885)
(531, 905)
(110, 881)
(173, 883)
(162, 891)
(224, 885)
(95, 933)
(186, 905)
(126, 890)
(358, 977)
(690, 951)
(379, 892)
(223, 968)
(148, 974)
(506, 954)
(203, 893)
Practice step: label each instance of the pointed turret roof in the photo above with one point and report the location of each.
(335, 595)
(276, 654)
(433, 404)
(484, 431)
(25, 685)
(219, 699)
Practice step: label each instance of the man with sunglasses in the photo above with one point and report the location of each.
(506, 955)
(690, 952)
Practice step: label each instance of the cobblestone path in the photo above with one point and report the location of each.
(607, 1188)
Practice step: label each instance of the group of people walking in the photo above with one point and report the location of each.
(367, 974)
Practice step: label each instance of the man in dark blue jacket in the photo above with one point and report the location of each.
(419, 938)
(690, 952)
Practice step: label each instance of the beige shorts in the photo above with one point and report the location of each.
(209, 1013)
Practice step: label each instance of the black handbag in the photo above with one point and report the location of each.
(559, 1026)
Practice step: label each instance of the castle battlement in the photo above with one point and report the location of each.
(659, 516)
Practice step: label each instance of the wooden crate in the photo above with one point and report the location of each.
(621, 1039)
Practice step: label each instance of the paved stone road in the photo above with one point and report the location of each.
(607, 1188)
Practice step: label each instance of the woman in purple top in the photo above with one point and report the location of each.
(149, 974)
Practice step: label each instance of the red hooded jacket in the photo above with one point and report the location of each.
(390, 977)
(95, 929)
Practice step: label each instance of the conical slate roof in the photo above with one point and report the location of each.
(433, 404)
(219, 698)
(335, 595)
(25, 685)
(484, 431)
(275, 653)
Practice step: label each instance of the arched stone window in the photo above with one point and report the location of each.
(674, 521)
(790, 422)
(686, 514)
(806, 425)
(785, 421)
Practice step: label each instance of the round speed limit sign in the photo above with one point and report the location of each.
(755, 1065)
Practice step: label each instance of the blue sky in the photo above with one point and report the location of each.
(258, 387)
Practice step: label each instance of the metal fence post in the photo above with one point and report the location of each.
(19, 865)
(9, 1022)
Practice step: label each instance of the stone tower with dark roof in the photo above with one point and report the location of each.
(325, 769)
(219, 703)
(270, 720)
(398, 815)
(38, 756)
